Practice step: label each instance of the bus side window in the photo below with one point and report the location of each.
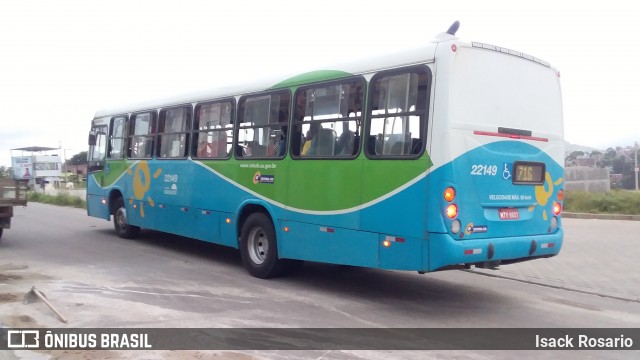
(398, 108)
(142, 135)
(173, 130)
(263, 121)
(327, 119)
(212, 130)
(117, 138)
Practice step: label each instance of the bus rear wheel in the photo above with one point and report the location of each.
(120, 222)
(259, 248)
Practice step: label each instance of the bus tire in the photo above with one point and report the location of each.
(259, 247)
(120, 222)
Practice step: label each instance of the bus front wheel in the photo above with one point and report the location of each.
(259, 248)
(120, 222)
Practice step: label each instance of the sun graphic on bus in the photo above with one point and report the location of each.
(141, 184)
(544, 193)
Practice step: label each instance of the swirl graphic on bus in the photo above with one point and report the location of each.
(141, 184)
(544, 193)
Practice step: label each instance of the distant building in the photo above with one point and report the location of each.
(40, 169)
(80, 170)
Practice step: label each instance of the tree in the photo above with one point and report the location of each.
(574, 155)
(78, 159)
(618, 165)
(610, 154)
(629, 176)
(6, 172)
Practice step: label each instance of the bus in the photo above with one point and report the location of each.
(446, 156)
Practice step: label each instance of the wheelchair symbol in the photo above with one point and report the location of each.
(506, 174)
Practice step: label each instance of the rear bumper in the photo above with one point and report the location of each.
(446, 252)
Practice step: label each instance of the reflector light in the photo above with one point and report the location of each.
(449, 194)
(394, 239)
(104, 201)
(455, 226)
(547, 245)
(452, 211)
(386, 243)
(560, 195)
(557, 208)
(227, 220)
(286, 229)
(473, 251)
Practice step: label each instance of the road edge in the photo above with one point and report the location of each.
(570, 215)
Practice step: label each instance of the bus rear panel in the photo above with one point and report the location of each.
(498, 173)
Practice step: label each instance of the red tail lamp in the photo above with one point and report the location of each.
(449, 194)
(452, 211)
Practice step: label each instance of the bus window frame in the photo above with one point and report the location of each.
(186, 131)
(238, 127)
(195, 131)
(152, 134)
(360, 120)
(423, 68)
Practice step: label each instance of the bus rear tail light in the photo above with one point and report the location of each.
(557, 208)
(452, 211)
(560, 195)
(449, 194)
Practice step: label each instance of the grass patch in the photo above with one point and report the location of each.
(62, 199)
(614, 202)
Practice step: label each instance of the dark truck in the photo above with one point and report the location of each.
(12, 193)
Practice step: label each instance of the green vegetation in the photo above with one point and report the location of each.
(614, 202)
(62, 199)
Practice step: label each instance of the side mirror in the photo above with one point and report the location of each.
(92, 138)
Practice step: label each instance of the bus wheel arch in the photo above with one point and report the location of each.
(113, 196)
(259, 245)
(252, 220)
(120, 220)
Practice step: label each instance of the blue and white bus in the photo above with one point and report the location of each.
(446, 156)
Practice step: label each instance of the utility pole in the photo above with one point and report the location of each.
(64, 162)
(636, 167)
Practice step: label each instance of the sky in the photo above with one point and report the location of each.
(61, 61)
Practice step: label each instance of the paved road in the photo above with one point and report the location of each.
(598, 257)
(98, 280)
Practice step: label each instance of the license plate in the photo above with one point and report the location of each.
(509, 214)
